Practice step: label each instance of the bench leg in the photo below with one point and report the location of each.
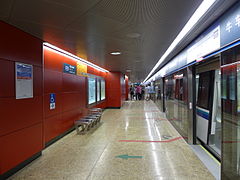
(77, 128)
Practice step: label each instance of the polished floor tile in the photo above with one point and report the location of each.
(110, 151)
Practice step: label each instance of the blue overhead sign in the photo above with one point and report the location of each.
(67, 68)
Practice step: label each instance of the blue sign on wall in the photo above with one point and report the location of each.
(67, 68)
(52, 100)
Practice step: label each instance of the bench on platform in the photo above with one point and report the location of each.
(90, 120)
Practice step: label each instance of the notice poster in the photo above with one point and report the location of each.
(24, 80)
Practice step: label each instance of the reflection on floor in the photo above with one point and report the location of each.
(135, 142)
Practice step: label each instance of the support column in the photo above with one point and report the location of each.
(191, 79)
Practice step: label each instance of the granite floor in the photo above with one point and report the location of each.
(151, 148)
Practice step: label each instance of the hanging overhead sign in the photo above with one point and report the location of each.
(24, 80)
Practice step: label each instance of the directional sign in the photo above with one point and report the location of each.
(67, 68)
(126, 156)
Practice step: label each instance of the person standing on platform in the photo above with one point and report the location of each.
(132, 92)
(143, 93)
(135, 92)
(139, 92)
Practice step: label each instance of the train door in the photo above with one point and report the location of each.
(208, 106)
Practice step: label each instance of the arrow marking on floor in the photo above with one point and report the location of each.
(126, 156)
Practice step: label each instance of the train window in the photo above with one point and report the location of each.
(228, 57)
(203, 90)
(179, 89)
(238, 88)
(232, 87)
(224, 86)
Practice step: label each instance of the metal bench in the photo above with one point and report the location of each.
(93, 117)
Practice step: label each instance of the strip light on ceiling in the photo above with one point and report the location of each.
(198, 14)
(70, 55)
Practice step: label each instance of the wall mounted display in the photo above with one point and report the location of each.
(24, 80)
(103, 89)
(91, 90)
(98, 89)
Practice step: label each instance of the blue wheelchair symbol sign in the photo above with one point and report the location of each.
(52, 101)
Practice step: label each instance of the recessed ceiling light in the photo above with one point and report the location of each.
(133, 35)
(115, 53)
(128, 70)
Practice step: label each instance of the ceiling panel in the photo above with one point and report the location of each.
(94, 24)
(5, 8)
(141, 29)
(44, 12)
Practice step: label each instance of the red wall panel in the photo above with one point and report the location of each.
(21, 119)
(52, 127)
(18, 114)
(7, 78)
(113, 89)
(18, 146)
(71, 94)
(37, 81)
(71, 83)
(71, 101)
(19, 46)
(52, 81)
